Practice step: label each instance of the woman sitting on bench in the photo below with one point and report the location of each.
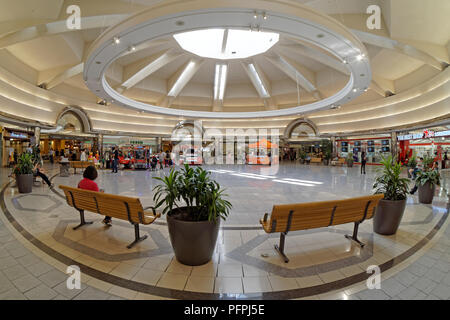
(38, 171)
(88, 183)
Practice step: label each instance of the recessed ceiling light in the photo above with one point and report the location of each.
(345, 61)
(132, 48)
(116, 40)
(354, 90)
(264, 16)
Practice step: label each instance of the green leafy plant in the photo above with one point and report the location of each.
(191, 194)
(388, 181)
(427, 162)
(24, 164)
(350, 157)
(302, 154)
(327, 149)
(431, 176)
(412, 162)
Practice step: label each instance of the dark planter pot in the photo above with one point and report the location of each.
(388, 215)
(326, 162)
(24, 182)
(302, 161)
(426, 193)
(193, 241)
(349, 164)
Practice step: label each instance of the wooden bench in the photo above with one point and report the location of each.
(340, 161)
(316, 160)
(120, 207)
(311, 215)
(80, 165)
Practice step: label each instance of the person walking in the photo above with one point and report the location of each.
(83, 156)
(161, 160)
(363, 162)
(115, 160)
(51, 155)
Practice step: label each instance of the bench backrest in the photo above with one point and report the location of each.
(322, 214)
(81, 164)
(125, 208)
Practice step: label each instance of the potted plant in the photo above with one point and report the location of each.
(23, 172)
(194, 205)
(390, 210)
(326, 151)
(302, 156)
(427, 180)
(349, 160)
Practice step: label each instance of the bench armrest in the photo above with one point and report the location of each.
(153, 210)
(266, 215)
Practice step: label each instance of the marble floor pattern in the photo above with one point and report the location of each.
(37, 243)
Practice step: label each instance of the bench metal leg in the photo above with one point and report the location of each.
(83, 222)
(354, 237)
(280, 248)
(137, 237)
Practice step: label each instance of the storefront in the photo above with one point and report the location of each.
(425, 143)
(70, 145)
(14, 142)
(374, 147)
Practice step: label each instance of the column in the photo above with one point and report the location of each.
(394, 149)
(333, 147)
(100, 144)
(37, 135)
(159, 144)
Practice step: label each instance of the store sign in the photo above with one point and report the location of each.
(136, 142)
(426, 134)
(442, 133)
(18, 135)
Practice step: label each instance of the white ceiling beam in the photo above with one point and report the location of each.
(67, 74)
(58, 27)
(292, 70)
(376, 88)
(217, 106)
(385, 84)
(318, 56)
(270, 104)
(395, 45)
(258, 79)
(136, 72)
(166, 102)
(180, 79)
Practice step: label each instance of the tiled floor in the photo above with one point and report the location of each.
(320, 258)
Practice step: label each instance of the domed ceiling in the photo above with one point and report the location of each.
(410, 49)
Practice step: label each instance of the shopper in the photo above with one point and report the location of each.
(363, 162)
(83, 156)
(88, 183)
(115, 160)
(161, 160)
(51, 155)
(38, 171)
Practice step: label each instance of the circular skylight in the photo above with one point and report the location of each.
(226, 44)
